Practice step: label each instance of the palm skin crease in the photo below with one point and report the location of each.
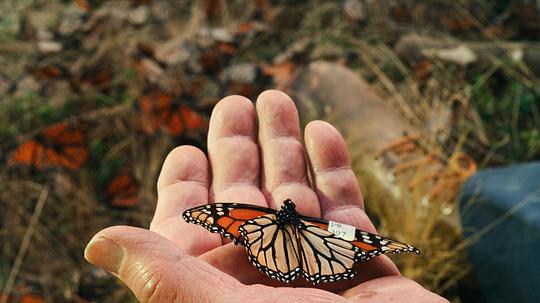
(254, 154)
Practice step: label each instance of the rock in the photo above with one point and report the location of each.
(354, 10)
(219, 34)
(325, 88)
(461, 55)
(44, 34)
(176, 51)
(241, 78)
(241, 73)
(139, 15)
(385, 147)
(27, 85)
(49, 46)
(71, 20)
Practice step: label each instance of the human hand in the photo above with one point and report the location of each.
(260, 164)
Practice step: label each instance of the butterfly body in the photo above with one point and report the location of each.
(284, 244)
(287, 215)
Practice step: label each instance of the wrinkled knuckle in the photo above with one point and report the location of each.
(149, 284)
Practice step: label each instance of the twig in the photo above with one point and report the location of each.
(24, 244)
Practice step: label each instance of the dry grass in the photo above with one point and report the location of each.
(443, 107)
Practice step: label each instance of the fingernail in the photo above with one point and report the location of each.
(104, 253)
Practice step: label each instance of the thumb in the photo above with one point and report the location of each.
(155, 269)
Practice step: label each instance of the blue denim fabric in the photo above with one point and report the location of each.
(500, 213)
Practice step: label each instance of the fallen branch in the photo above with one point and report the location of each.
(412, 48)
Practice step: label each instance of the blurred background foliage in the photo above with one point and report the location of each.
(94, 94)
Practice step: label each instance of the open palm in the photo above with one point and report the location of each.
(254, 157)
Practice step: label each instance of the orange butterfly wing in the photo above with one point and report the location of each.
(65, 146)
(224, 218)
(148, 118)
(191, 118)
(50, 71)
(370, 244)
(175, 125)
(58, 146)
(122, 191)
(31, 299)
(159, 111)
(28, 153)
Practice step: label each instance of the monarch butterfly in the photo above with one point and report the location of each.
(162, 111)
(25, 298)
(283, 244)
(122, 191)
(51, 71)
(60, 145)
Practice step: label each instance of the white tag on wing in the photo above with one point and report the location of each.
(343, 231)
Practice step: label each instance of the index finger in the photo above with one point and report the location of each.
(338, 189)
(334, 180)
(183, 183)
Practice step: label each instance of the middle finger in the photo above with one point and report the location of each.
(233, 153)
(284, 171)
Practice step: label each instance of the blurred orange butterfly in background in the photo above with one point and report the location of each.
(50, 71)
(162, 111)
(122, 191)
(60, 145)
